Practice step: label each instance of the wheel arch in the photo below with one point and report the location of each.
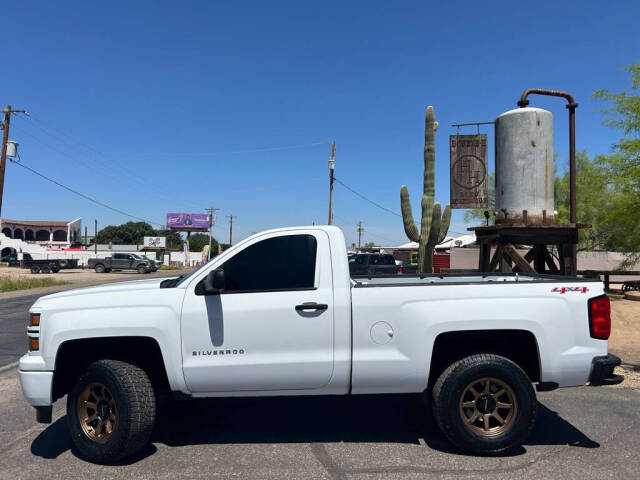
(519, 346)
(73, 356)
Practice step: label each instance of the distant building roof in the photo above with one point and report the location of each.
(36, 223)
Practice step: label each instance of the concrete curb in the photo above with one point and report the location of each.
(8, 367)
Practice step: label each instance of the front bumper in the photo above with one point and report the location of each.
(36, 387)
(602, 371)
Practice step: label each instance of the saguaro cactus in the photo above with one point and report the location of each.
(434, 224)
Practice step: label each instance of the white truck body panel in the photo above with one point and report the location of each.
(375, 336)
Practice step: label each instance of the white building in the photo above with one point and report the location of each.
(61, 234)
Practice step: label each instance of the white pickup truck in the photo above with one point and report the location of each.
(278, 314)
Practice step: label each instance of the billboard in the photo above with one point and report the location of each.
(188, 222)
(154, 242)
(468, 154)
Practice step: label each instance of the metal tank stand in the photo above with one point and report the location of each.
(538, 240)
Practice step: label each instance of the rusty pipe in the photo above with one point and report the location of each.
(571, 105)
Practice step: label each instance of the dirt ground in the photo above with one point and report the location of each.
(625, 339)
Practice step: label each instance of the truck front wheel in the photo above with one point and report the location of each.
(111, 411)
(99, 268)
(484, 404)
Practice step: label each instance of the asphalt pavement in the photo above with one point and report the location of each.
(581, 433)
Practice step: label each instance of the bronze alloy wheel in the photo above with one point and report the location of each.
(97, 412)
(488, 407)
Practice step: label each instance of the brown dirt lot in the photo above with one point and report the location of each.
(77, 278)
(625, 339)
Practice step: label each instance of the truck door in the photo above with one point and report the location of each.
(271, 327)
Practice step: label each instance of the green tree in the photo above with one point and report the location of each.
(198, 241)
(593, 200)
(128, 233)
(132, 233)
(369, 245)
(622, 169)
(475, 216)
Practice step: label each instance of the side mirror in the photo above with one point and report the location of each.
(212, 284)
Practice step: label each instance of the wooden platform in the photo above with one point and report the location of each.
(508, 237)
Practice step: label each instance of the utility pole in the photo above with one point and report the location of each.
(360, 231)
(332, 166)
(212, 220)
(5, 138)
(230, 217)
(95, 236)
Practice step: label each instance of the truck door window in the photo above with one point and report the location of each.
(278, 263)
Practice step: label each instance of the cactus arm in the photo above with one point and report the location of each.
(435, 226)
(446, 220)
(407, 216)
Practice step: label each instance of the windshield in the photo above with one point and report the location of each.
(183, 277)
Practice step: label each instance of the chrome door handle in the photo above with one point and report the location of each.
(312, 306)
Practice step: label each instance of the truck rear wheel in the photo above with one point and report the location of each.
(111, 411)
(45, 269)
(35, 269)
(484, 404)
(99, 268)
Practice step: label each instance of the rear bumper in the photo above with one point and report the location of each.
(602, 371)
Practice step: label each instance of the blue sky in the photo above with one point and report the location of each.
(157, 106)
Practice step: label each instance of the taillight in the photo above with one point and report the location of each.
(600, 317)
(399, 270)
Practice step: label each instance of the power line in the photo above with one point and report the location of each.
(97, 202)
(378, 205)
(231, 152)
(135, 179)
(367, 199)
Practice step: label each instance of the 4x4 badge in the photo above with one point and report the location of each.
(570, 289)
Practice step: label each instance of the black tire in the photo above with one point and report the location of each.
(142, 269)
(45, 269)
(55, 268)
(99, 268)
(135, 404)
(35, 269)
(449, 391)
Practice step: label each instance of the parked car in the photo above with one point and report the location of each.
(46, 265)
(373, 264)
(153, 265)
(278, 314)
(121, 261)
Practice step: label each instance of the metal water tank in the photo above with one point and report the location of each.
(524, 166)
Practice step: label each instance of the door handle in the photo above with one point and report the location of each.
(312, 306)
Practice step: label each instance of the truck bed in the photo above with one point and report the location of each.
(361, 281)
